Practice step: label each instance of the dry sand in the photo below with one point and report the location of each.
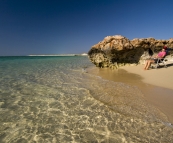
(155, 84)
(159, 77)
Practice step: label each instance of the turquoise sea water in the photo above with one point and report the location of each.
(55, 100)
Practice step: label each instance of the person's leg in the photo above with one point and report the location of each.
(149, 64)
(146, 64)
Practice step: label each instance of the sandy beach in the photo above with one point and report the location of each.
(155, 84)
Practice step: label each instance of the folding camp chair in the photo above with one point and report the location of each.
(160, 61)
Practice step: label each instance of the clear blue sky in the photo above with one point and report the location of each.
(73, 26)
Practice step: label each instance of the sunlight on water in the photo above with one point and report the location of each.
(54, 99)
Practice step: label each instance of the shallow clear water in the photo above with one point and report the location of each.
(55, 99)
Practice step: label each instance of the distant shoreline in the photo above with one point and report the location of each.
(48, 55)
(84, 54)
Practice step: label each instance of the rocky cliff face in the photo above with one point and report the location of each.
(115, 51)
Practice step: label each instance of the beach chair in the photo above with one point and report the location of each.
(160, 61)
(163, 61)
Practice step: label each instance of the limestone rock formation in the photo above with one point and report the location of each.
(115, 51)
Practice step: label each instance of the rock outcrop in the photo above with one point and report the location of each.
(115, 51)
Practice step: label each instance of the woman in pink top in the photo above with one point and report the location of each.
(160, 55)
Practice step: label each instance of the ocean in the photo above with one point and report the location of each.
(55, 99)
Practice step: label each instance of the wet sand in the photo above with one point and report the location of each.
(155, 84)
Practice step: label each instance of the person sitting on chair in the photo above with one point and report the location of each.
(160, 55)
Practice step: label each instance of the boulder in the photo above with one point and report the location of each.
(115, 51)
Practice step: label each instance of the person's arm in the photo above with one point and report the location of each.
(157, 56)
(164, 54)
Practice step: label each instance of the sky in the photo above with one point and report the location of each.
(35, 27)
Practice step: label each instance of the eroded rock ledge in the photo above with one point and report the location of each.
(115, 51)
